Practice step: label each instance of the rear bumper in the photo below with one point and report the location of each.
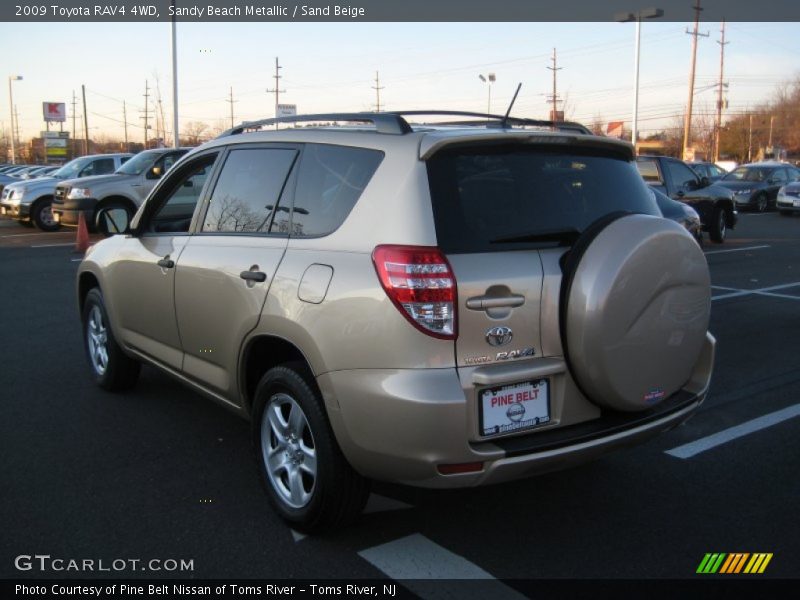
(400, 425)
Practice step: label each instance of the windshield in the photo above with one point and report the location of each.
(754, 174)
(72, 168)
(140, 162)
(488, 199)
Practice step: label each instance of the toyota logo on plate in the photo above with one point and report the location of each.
(499, 336)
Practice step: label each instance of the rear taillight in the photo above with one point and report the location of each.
(420, 282)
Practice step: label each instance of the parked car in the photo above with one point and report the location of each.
(126, 188)
(40, 172)
(677, 180)
(709, 170)
(681, 213)
(439, 306)
(29, 201)
(789, 198)
(755, 186)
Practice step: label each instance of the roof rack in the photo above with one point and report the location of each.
(389, 123)
(499, 121)
(393, 122)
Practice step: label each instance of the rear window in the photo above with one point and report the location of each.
(483, 197)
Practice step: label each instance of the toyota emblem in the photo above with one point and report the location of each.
(499, 336)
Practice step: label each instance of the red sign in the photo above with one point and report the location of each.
(54, 111)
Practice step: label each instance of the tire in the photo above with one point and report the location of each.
(308, 481)
(717, 229)
(762, 203)
(113, 370)
(42, 216)
(632, 333)
(101, 227)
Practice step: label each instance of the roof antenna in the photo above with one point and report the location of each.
(504, 122)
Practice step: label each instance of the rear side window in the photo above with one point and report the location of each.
(648, 170)
(248, 188)
(484, 197)
(100, 166)
(330, 182)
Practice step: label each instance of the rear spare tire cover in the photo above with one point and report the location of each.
(635, 307)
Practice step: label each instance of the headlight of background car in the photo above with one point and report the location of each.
(79, 193)
(744, 192)
(17, 194)
(782, 192)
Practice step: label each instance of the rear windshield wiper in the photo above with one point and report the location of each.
(564, 237)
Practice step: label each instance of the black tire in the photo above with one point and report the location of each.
(334, 495)
(42, 216)
(102, 227)
(116, 371)
(762, 203)
(718, 228)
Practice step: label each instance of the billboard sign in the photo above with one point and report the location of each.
(54, 112)
(285, 110)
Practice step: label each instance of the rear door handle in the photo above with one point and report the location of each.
(258, 276)
(166, 263)
(484, 302)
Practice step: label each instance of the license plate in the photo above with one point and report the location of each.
(511, 408)
(797, 203)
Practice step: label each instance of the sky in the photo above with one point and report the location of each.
(330, 67)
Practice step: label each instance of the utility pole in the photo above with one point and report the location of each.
(277, 91)
(85, 122)
(554, 68)
(688, 120)
(750, 140)
(231, 101)
(146, 106)
(377, 87)
(74, 131)
(125, 125)
(769, 143)
(718, 127)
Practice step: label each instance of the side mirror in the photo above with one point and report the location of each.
(112, 220)
(704, 182)
(155, 173)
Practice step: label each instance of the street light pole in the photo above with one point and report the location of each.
(11, 109)
(175, 136)
(645, 13)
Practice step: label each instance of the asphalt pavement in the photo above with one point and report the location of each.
(162, 473)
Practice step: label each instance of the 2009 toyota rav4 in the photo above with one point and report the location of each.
(440, 306)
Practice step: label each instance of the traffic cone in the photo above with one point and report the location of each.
(82, 239)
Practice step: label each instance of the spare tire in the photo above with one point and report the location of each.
(635, 306)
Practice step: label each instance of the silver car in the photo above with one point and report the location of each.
(440, 306)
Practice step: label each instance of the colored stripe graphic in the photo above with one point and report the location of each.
(734, 563)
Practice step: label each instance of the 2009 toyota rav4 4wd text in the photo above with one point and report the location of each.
(436, 305)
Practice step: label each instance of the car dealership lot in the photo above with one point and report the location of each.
(163, 473)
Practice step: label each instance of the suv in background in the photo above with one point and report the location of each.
(677, 180)
(125, 189)
(441, 306)
(29, 201)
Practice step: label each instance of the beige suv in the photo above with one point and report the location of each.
(436, 305)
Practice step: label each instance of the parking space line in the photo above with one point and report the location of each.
(737, 249)
(726, 435)
(53, 245)
(13, 235)
(766, 291)
(415, 558)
